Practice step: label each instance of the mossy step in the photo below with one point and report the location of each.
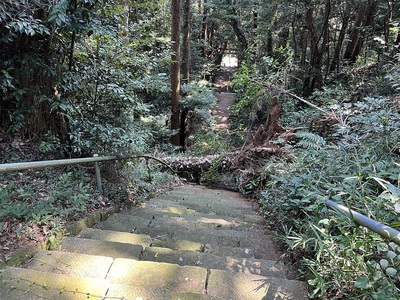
(122, 291)
(191, 222)
(26, 284)
(122, 270)
(72, 264)
(239, 286)
(103, 248)
(174, 211)
(195, 194)
(200, 201)
(18, 283)
(116, 236)
(178, 245)
(247, 265)
(223, 208)
(143, 240)
(165, 275)
(243, 252)
(267, 250)
(203, 191)
(168, 228)
(261, 246)
(200, 219)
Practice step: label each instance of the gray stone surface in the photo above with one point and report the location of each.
(154, 274)
(71, 264)
(178, 244)
(248, 265)
(104, 248)
(210, 221)
(27, 284)
(239, 286)
(116, 236)
(153, 293)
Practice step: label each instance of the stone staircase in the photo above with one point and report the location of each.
(190, 243)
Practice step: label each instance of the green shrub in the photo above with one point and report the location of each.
(340, 258)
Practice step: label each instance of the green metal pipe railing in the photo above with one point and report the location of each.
(74, 161)
(381, 229)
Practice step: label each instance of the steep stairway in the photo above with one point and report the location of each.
(189, 243)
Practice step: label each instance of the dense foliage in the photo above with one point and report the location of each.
(360, 169)
(347, 150)
(85, 77)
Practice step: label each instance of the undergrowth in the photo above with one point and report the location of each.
(359, 169)
(35, 206)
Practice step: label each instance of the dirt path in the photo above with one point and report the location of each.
(225, 98)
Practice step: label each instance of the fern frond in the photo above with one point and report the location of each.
(310, 140)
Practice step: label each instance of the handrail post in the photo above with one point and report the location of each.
(98, 175)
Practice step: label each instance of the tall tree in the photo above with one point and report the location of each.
(186, 42)
(363, 19)
(175, 72)
(345, 16)
(318, 46)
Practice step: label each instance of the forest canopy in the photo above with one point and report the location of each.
(66, 65)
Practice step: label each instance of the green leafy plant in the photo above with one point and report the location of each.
(310, 140)
(359, 169)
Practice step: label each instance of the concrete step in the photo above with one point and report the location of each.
(122, 270)
(27, 284)
(18, 284)
(188, 191)
(261, 245)
(191, 243)
(198, 194)
(71, 264)
(211, 221)
(185, 253)
(248, 265)
(222, 208)
(188, 222)
(116, 236)
(178, 245)
(140, 239)
(103, 248)
(156, 274)
(239, 286)
(123, 291)
(156, 227)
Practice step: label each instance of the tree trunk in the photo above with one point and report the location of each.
(363, 19)
(318, 44)
(175, 72)
(204, 31)
(234, 21)
(186, 42)
(239, 34)
(339, 45)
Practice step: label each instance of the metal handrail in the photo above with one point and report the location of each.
(52, 163)
(381, 229)
(11, 167)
